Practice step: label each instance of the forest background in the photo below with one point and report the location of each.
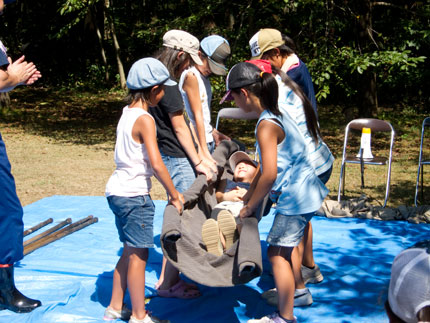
(366, 58)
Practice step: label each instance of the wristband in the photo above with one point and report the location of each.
(201, 160)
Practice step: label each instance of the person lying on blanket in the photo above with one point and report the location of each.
(219, 232)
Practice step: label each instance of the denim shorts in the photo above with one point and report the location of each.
(288, 230)
(180, 170)
(134, 217)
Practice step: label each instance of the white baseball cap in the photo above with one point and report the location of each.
(181, 40)
(409, 289)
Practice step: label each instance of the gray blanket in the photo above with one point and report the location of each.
(182, 243)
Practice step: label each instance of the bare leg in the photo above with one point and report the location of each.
(296, 260)
(119, 281)
(163, 272)
(306, 247)
(280, 258)
(136, 280)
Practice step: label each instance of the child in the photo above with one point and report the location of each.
(137, 158)
(218, 235)
(197, 94)
(279, 49)
(286, 174)
(293, 102)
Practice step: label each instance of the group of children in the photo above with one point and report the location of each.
(154, 138)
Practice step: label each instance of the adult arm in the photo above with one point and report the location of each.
(183, 134)
(191, 88)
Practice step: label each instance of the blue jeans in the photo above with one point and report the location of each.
(180, 170)
(134, 219)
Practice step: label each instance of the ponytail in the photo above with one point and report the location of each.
(266, 89)
(311, 118)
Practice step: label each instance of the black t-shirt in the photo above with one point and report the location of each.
(172, 102)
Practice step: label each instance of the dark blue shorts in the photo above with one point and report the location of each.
(134, 218)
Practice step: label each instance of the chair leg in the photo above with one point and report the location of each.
(422, 184)
(417, 185)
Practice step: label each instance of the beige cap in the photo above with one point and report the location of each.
(181, 40)
(264, 40)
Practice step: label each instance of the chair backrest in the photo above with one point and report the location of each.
(374, 124)
(234, 113)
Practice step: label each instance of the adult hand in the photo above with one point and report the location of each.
(23, 71)
(203, 169)
(178, 202)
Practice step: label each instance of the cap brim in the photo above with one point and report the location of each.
(227, 97)
(169, 82)
(257, 57)
(238, 157)
(217, 68)
(196, 59)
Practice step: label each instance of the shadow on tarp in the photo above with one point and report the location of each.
(73, 276)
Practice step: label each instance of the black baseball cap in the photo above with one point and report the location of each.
(240, 75)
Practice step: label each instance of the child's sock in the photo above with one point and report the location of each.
(287, 321)
(300, 290)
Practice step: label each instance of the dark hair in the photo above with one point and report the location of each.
(169, 57)
(267, 91)
(136, 95)
(311, 118)
(286, 49)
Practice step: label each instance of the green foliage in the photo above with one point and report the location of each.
(60, 37)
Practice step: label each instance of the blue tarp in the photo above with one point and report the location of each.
(73, 276)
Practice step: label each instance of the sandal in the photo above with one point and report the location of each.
(180, 290)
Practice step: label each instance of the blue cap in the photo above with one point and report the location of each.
(147, 72)
(217, 49)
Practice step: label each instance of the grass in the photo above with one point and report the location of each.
(61, 142)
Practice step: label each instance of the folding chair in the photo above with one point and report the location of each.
(375, 125)
(421, 163)
(236, 113)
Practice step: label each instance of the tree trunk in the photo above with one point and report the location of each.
(367, 105)
(102, 49)
(116, 46)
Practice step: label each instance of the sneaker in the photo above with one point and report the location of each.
(301, 298)
(211, 237)
(147, 319)
(111, 314)
(273, 318)
(227, 226)
(312, 276)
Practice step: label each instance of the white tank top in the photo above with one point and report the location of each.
(132, 176)
(205, 93)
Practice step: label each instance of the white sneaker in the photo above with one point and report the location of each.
(111, 314)
(312, 276)
(301, 298)
(272, 318)
(147, 319)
